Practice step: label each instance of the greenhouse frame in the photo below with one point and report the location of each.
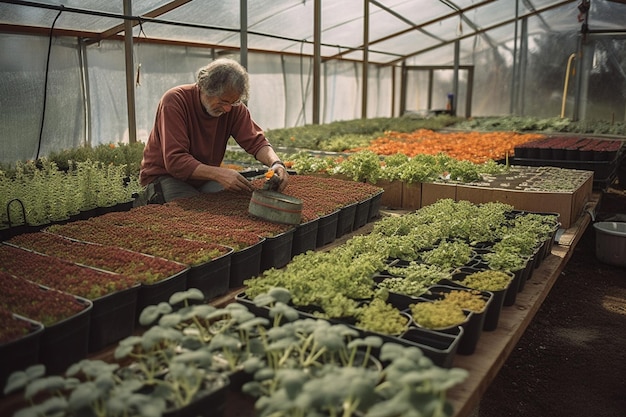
(308, 208)
(85, 80)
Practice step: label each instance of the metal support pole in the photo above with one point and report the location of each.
(522, 67)
(403, 82)
(431, 86)
(243, 33)
(130, 73)
(317, 60)
(580, 89)
(393, 91)
(84, 77)
(455, 79)
(365, 75)
(514, 70)
(470, 92)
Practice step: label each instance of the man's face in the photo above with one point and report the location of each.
(216, 106)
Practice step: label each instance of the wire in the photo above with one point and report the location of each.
(45, 84)
(304, 90)
(138, 76)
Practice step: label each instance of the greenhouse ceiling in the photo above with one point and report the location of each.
(376, 31)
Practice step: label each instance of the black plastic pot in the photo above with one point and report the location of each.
(304, 238)
(245, 263)
(212, 277)
(327, 229)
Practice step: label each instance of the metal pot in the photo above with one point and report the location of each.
(275, 207)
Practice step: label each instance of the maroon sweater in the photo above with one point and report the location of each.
(185, 135)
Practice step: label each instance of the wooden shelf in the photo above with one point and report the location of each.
(492, 350)
(494, 347)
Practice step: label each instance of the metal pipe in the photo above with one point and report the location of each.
(317, 63)
(365, 63)
(569, 64)
(243, 34)
(130, 74)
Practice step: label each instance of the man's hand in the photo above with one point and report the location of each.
(232, 180)
(281, 172)
(228, 178)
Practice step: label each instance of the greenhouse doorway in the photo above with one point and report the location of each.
(431, 89)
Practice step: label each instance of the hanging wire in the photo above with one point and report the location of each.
(303, 89)
(45, 84)
(138, 76)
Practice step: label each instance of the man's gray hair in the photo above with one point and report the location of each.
(223, 76)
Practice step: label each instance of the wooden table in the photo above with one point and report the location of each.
(492, 349)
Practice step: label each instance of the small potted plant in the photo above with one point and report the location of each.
(311, 366)
(494, 281)
(381, 317)
(437, 315)
(66, 318)
(95, 387)
(19, 343)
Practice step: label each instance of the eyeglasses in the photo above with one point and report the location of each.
(236, 103)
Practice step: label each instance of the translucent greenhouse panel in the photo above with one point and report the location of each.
(162, 67)
(543, 77)
(416, 92)
(223, 13)
(438, 56)
(268, 100)
(443, 86)
(337, 13)
(489, 14)
(492, 82)
(298, 92)
(560, 19)
(357, 55)
(604, 86)
(419, 11)
(379, 91)
(140, 7)
(22, 84)
(187, 34)
(608, 14)
(342, 91)
(285, 45)
(107, 91)
(382, 23)
(260, 11)
(40, 17)
(418, 81)
(220, 14)
(348, 34)
(294, 22)
(413, 41)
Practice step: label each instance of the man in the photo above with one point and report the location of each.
(193, 123)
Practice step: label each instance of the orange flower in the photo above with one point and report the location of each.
(269, 174)
(476, 147)
(112, 145)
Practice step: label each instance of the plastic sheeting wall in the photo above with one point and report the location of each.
(281, 91)
(282, 87)
(162, 67)
(604, 90)
(22, 90)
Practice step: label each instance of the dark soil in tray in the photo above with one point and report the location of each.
(571, 361)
